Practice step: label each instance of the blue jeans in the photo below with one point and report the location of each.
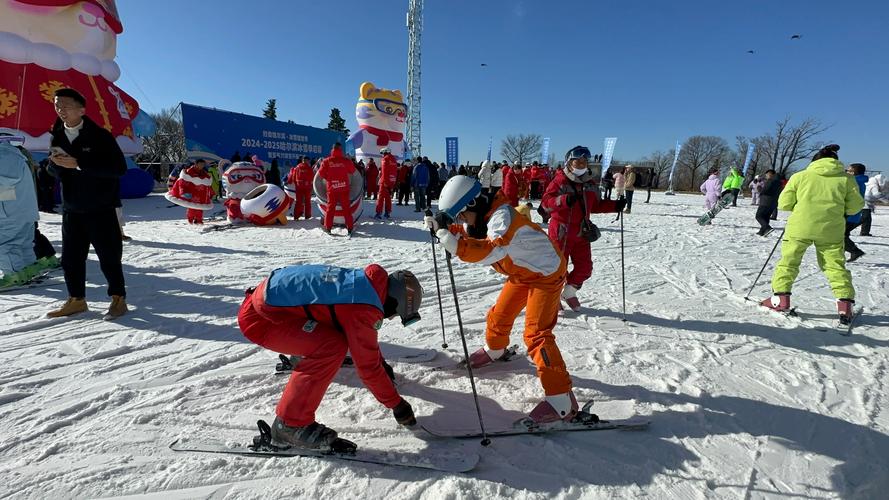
(420, 198)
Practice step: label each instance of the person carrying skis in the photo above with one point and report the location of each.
(711, 189)
(496, 235)
(336, 170)
(320, 313)
(301, 178)
(733, 183)
(388, 181)
(569, 199)
(819, 197)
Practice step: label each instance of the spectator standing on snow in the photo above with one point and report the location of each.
(768, 201)
(857, 171)
(404, 184)
(89, 164)
(432, 189)
(337, 170)
(629, 186)
(819, 199)
(755, 188)
(618, 177)
(442, 176)
(877, 189)
(496, 178)
(388, 182)
(419, 183)
(273, 176)
(301, 178)
(484, 176)
(607, 184)
(371, 175)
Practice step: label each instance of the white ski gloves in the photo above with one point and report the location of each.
(429, 223)
(448, 240)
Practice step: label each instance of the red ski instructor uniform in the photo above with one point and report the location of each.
(320, 313)
(336, 170)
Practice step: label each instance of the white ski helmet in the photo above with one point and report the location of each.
(458, 194)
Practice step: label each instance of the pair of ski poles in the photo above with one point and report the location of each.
(444, 343)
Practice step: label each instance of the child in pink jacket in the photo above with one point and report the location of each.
(711, 188)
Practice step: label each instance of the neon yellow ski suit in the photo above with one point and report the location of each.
(733, 181)
(820, 197)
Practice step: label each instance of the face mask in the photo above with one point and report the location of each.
(578, 171)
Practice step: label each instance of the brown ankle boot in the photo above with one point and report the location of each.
(71, 306)
(117, 309)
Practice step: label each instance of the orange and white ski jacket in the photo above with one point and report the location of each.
(515, 247)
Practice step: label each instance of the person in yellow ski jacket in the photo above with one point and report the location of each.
(819, 199)
(733, 183)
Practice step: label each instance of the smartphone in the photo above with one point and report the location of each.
(57, 151)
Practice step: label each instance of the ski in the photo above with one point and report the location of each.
(287, 363)
(846, 329)
(584, 422)
(454, 462)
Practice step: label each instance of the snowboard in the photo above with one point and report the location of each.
(38, 280)
(723, 202)
(453, 462)
(584, 422)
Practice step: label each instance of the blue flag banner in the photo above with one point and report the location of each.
(222, 133)
(608, 153)
(750, 149)
(544, 153)
(451, 154)
(675, 160)
(490, 147)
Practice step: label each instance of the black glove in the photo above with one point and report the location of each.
(620, 204)
(389, 370)
(570, 198)
(443, 220)
(404, 414)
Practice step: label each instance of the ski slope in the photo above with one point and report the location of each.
(744, 403)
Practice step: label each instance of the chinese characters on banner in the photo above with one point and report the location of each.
(451, 151)
(608, 152)
(544, 153)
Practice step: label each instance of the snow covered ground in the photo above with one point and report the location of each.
(744, 403)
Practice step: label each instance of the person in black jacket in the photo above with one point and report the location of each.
(768, 202)
(89, 163)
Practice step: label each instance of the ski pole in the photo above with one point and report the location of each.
(485, 440)
(444, 341)
(623, 280)
(764, 264)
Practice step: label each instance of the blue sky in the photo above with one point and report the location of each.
(647, 72)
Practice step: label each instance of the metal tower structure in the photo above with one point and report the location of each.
(414, 30)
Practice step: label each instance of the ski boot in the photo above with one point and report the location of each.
(553, 409)
(844, 308)
(388, 215)
(378, 217)
(485, 356)
(856, 254)
(779, 302)
(569, 295)
(313, 436)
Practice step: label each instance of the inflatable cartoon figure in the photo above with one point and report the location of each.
(239, 180)
(381, 115)
(50, 44)
(266, 205)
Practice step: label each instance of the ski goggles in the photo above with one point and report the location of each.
(387, 106)
(578, 152)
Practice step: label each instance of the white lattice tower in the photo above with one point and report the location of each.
(414, 30)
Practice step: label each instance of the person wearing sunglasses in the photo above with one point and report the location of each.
(491, 232)
(569, 199)
(320, 313)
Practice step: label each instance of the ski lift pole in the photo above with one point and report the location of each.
(764, 264)
(444, 341)
(485, 440)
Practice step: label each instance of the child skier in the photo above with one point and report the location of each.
(493, 233)
(711, 188)
(319, 313)
(819, 197)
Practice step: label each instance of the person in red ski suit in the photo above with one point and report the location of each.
(336, 170)
(388, 181)
(569, 199)
(511, 183)
(301, 177)
(320, 313)
(371, 174)
(537, 181)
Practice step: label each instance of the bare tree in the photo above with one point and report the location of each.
(661, 162)
(167, 145)
(791, 143)
(523, 148)
(700, 152)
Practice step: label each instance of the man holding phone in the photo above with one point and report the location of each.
(89, 163)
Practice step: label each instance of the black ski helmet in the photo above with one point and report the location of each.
(404, 296)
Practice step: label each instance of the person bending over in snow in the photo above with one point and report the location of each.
(820, 198)
(493, 233)
(319, 313)
(569, 199)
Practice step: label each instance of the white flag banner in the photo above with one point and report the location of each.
(608, 152)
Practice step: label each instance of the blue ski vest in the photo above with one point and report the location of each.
(317, 284)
